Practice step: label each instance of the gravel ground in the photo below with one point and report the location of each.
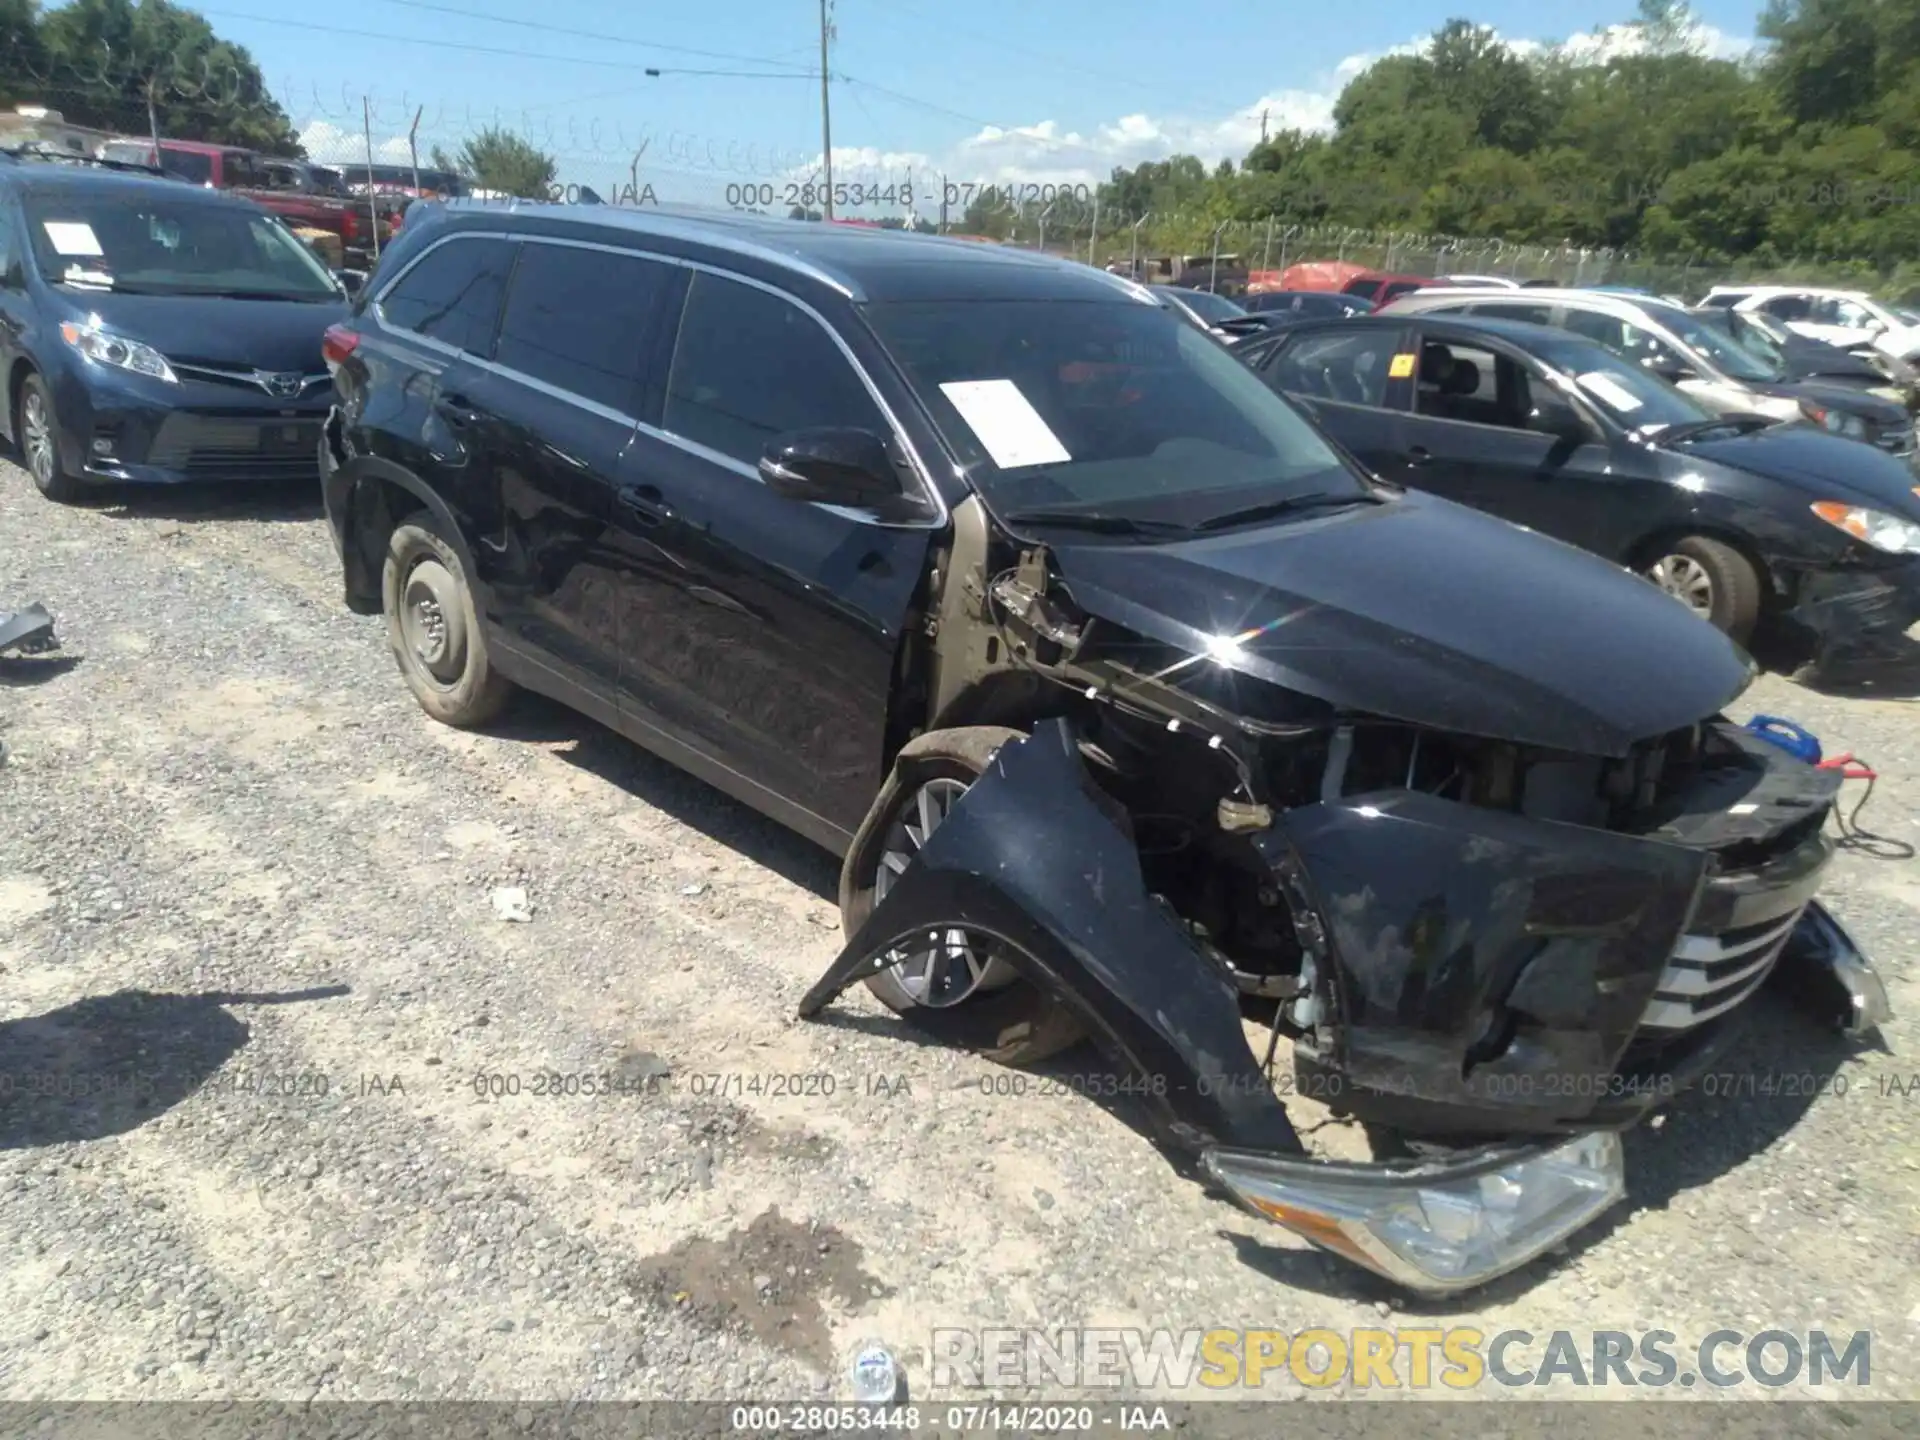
(239, 866)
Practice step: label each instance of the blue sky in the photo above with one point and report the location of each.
(1073, 86)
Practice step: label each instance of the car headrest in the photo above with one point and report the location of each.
(1436, 362)
(1463, 378)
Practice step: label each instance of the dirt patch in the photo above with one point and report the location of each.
(772, 1281)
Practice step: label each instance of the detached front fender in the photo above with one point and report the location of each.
(1033, 856)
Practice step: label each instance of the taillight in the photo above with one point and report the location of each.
(336, 345)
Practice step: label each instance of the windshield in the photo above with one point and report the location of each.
(1208, 306)
(1723, 352)
(158, 245)
(1634, 398)
(1751, 338)
(1111, 407)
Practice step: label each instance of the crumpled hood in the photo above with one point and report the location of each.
(278, 335)
(1826, 466)
(1426, 611)
(1847, 398)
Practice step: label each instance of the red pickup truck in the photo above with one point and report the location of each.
(298, 193)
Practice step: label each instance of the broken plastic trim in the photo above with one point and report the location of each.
(1833, 975)
(1434, 1227)
(28, 630)
(1034, 856)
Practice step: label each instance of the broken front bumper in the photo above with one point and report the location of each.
(1489, 977)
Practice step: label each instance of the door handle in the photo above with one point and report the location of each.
(456, 409)
(646, 502)
(1419, 455)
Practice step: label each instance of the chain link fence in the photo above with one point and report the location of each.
(664, 166)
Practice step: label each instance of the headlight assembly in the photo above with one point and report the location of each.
(1872, 527)
(106, 348)
(1837, 422)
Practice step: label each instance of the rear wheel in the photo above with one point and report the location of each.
(38, 430)
(1713, 580)
(956, 984)
(434, 628)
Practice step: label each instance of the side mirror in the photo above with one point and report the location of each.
(351, 281)
(1565, 425)
(1670, 368)
(831, 466)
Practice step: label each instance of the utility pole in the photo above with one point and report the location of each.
(943, 202)
(413, 146)
(366, 119)
(826, 111)
(1263, 125)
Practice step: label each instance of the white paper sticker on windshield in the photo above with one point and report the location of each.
(72, 237)
(1610, 390)
(1006, 423)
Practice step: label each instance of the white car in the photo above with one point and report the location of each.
(1480, 282)
(1851, 319)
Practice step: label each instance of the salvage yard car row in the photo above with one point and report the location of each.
(1138, 708)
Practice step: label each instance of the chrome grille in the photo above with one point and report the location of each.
(1707, 975)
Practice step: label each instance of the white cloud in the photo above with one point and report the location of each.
(1045, 152)
(330, 144)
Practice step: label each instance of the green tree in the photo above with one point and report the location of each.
(23, 58)
(122, 66)
(498, 159)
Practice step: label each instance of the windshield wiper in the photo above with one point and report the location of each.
(1268, 509)
(1098, 522)
(1696, 429)
(248, 295)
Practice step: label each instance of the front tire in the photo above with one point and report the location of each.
(434, 628)
(959, 988)
(36, 425)
(1712, 579)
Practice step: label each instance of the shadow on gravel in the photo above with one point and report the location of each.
(1753, 1097)
(269, 500)
(615, 759)
(110, 1063)
(19, 672)
(1894, 675)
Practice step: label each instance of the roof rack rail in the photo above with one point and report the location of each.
(17, 153)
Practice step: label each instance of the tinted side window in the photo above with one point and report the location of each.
(453, 294)
(1350, 366)
(1787, 307)
(1464, 382)
(749, 366)
(578, 319)
(187, 164)
(1532, 314)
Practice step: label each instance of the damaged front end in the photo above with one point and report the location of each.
(1496, 952)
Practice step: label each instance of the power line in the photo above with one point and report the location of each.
(626, 65)
(468, 14)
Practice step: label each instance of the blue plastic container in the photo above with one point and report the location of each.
(1801, 743)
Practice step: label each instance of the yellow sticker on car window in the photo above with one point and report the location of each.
(1401, 368)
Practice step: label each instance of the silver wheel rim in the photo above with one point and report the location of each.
(432, 623)
(37, 438)
(1686, 580)
(951, 966)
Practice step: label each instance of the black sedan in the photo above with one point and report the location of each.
(1742, 518)
(1801, 357)
(1224, 319)
(1290, 306)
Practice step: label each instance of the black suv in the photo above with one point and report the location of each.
(1134, 707)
